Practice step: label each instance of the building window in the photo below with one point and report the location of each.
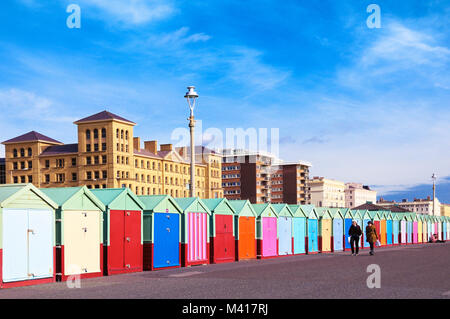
(104, 174)
(88, 134)
(103, 132)
(60, 178)
(88, 175)
(95, 147)
(88, 160)
(95, 133)
(30, 164)
(47, 178)
(88, 147)
(118, 148)
(117, 133)
(74, 176)
(126, 135)
(74, 161)
(103, 146)
(121, 134)
(22, 165)
(22, 179)
(30, 179)
(15, 165)
(22, 152)
(30, 152)
(15, 153)
(97, 175)
(16, 180)
(60, 163)
(104, 159)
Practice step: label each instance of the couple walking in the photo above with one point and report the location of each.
(355, 233)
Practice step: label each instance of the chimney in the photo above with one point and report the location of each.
(166, 147)
(151, 146)
(428, 198)
(137, 143)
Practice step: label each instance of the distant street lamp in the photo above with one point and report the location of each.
(191, 97)
(434, 177)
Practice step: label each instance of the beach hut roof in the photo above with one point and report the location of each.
(160, 203)
(337, 212)
(243, 207)
(323, 212)
(63, 196)
(265, 209)
(310, 211)
(9, 193)
(111, 197)
(218, 205)
(297, 211)
(193, 204)
(282, 210)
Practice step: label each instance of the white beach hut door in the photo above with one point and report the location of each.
(40, 252)
(15, 245)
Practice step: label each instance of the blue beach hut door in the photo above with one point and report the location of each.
(299, 226)
(166, 246)
(337, 234)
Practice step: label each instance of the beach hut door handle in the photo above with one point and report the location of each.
(31, 231)
(168, 229)
(31, 275)
(128, 213)
(128, 239)
(85, 229)
(128, 265)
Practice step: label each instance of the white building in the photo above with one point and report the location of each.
(419, 206)
(358, 194)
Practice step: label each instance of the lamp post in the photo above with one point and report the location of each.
(433, 177)
(191, 96)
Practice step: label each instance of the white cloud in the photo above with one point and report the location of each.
(177, 38)
(132, 12)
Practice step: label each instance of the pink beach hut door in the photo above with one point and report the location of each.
(197, 236)
(269, 242)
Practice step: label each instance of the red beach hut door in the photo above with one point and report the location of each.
(132, 243)
(224, 241)
(116, 245)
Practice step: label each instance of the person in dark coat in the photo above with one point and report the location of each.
(371, 235)
(355, 233)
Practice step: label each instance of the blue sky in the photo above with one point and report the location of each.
(360, 104)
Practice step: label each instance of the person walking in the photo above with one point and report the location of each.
(371, 236)
(355, 233)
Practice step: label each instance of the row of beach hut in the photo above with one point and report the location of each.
(58, 233)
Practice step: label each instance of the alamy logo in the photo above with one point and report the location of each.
(374, 279)
(74, 19)
(374, 20)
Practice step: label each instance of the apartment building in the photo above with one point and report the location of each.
(419, 206)
(358, 194)
(326, 192)
(107, 155)
(262, 178)
(445, 209)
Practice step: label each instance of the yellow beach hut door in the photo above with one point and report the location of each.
(326, 235)
(82, 242)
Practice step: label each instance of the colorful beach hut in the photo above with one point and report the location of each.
(389, 228)
(298, 229)
(284, 230)
(195, 231)
(383, 227)
(122, 230)
(415, 228)
(79, 227)
(325, 229)
(337, 235)
(409, 228)
(161, 232)
(266, 225)
(222, 240)
(312, 225)
(395, 228)
(245, 229)
(348, 218)
(419, 219)
(27, 242)
(439, 226)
